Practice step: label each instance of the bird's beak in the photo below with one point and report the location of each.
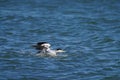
(60, 51)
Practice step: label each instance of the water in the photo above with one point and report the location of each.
(88, 30)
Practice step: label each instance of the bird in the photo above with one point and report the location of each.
(45, 50)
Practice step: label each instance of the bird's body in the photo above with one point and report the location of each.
(46, 51)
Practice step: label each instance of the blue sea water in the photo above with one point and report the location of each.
(88, 30)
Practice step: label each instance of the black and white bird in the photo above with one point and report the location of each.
(45, 50)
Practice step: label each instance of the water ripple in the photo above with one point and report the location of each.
(87, 30)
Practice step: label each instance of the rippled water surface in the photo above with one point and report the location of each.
(88, 30)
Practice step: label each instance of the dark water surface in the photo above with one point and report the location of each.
(88, 30)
